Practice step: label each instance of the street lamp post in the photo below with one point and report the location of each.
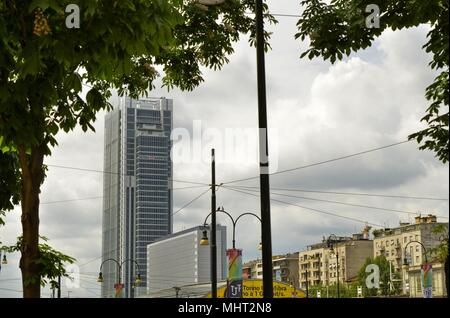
(331, 244)
(266, 228)
(213, 227)
(119, 272)
(405, 259)
(205, 240)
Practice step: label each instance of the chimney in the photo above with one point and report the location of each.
(366, 232)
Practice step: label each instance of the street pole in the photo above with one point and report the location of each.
(213, 227)
(307, 284)
(337, 268)
(59, 286)
(59, 282)
(263, 155)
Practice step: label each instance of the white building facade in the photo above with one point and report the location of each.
(179, 260)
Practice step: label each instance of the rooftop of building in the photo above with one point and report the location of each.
(363, 236)
(419, 222)
(293, 256)
(193, 229)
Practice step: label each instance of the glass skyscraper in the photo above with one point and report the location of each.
(137, 204)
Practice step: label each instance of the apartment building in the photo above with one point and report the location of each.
(285, 269)
(321, 265)
(405, 241)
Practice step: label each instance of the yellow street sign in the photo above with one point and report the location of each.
(253, 288)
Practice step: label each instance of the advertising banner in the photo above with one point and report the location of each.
(234, 280)
(119, 290)
(253, 288)
(427, 280)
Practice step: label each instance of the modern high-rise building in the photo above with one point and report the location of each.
(137, 204)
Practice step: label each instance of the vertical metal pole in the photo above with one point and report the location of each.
(264, 156)
(337, 267)
(59, 286)
(213, 227)
(59, 282)
(234, 235)
(307, 284)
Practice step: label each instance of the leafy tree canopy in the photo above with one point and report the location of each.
(339, 28)
(51, 262)
(118, 45)
(386, 286)
(44, 63)
(9, 183)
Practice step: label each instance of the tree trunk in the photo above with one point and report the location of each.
(32, 177)
(446, 268)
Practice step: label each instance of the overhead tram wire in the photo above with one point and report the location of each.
(174, 213)
(323, 162)
(349, 193)
(101, 197)
(192, 201)
(311, 209)
(116, 173)
(342, 203)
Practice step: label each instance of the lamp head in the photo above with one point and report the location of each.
(405, 261)
(100, 278)
(204, 241)
(138, 279)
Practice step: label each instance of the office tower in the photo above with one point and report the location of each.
(137, 204)
(179, 259)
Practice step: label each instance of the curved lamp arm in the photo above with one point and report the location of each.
(423, 246)
(243, 214)
(131, 260)
(232, 220)
(138, 276)
(107, 260)
(219, 210)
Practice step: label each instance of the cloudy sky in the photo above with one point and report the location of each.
(317, 111)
